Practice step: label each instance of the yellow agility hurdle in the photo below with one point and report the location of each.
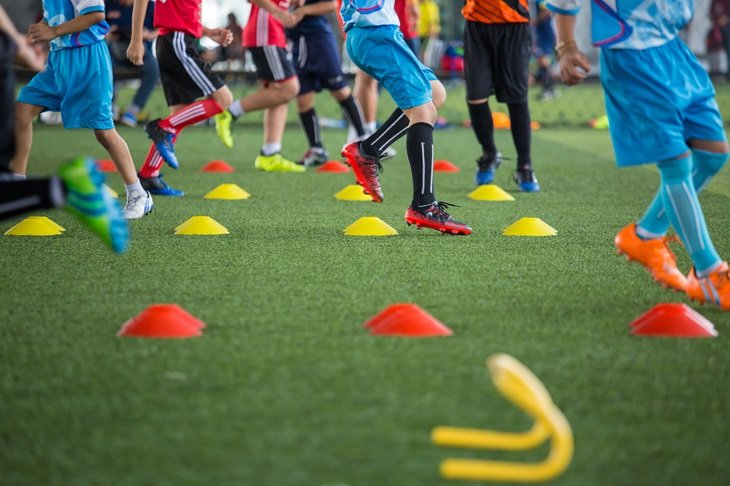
(519, 385)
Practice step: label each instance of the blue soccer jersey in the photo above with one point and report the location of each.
(631, 24)
(368, 13)
(57, 12)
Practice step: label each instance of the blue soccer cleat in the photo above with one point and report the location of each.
(526, 180)
(155, 185)
(486, 166)
(92, 205)
(164, 141)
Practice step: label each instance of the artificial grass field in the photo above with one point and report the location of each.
(287, 388)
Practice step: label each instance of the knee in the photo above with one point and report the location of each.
(223, 97)
(341, 94)
(288, 89)
(105, 137)
(674, 169)
(23, 114)
(710, 161)
(425, 113)
(438, 93)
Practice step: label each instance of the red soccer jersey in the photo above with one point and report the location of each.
(263, 29)
(179, 16)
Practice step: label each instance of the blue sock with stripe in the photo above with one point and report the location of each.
(684, 212)
(654, 223)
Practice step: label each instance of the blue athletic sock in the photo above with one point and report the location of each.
(683, 209)
(705, 165)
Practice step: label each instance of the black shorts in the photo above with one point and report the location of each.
(318, 63)
(496, 58)
(185, 77)
(272, 63)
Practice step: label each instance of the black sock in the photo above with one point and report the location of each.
(519, 115)
(18, 197)
(544, 78)
(419, 144)
(354, 115)
(483, 126)
(390, 131)
(310, 122)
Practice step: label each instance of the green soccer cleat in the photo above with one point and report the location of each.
(91, 204)
(277, 163)
(223, 123)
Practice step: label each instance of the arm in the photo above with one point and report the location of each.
(135, 51)
(222, 36)
(573, 63)
(283, 16)
(43, 32)
(25, 54)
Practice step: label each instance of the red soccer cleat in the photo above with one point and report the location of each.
(366, 169)
(436, 217)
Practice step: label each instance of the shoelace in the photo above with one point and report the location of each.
(133, 200)
(440, 211)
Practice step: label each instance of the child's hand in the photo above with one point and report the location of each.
(41, 32)
(29, 57)
(573, 66)
(222, 36)
(286, 18)
(135, 53)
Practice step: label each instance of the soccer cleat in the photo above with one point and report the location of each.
(526, 180)
(366, 170)
(223, 124)
(313, 157)
(388, 153)
(92, 205)
(654, 254)
(155, 185)
(276, 163)
(139, 204)
(129, 119)
(713, 289)
(486, 166)
(436, 217)
(164, 140)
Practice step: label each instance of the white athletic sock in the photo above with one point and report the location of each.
(371, 126)
(236, 109)
(134, 187)
(270, 148)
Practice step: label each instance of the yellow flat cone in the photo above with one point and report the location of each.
(370, 226)
(353, 192)
(490, 192)
(111, 192)
(36, 226)
(230, 192)
(529, 227)
(201, 225)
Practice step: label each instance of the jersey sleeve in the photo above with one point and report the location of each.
(84, 7)
(565, 7)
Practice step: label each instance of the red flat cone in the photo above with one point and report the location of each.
(334, 166)
(676, 320)
(106, 165)
(218, 166)
(163, 321)
(407, 320)
(445, 166)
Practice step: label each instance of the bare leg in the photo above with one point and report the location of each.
(275, 123)
(24, 115)
(119, 153)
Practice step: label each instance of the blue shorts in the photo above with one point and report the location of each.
(656, 100)
(77, 82)
(318, 63)
(383, 54)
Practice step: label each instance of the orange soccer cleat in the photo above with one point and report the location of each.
(654, 254)
(713, 289)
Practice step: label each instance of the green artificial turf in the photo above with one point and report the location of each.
(287, 388)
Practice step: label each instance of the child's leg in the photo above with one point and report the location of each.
(351, 110)
(685, 213)
(708, 157)
(200, 110)
(18, 197)
(519, 115)
(483, 126)
(309, 119)
(274, 125)
(24, 115)
(269, 96)
(119, 153)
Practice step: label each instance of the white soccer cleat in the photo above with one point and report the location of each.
(139, 204)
